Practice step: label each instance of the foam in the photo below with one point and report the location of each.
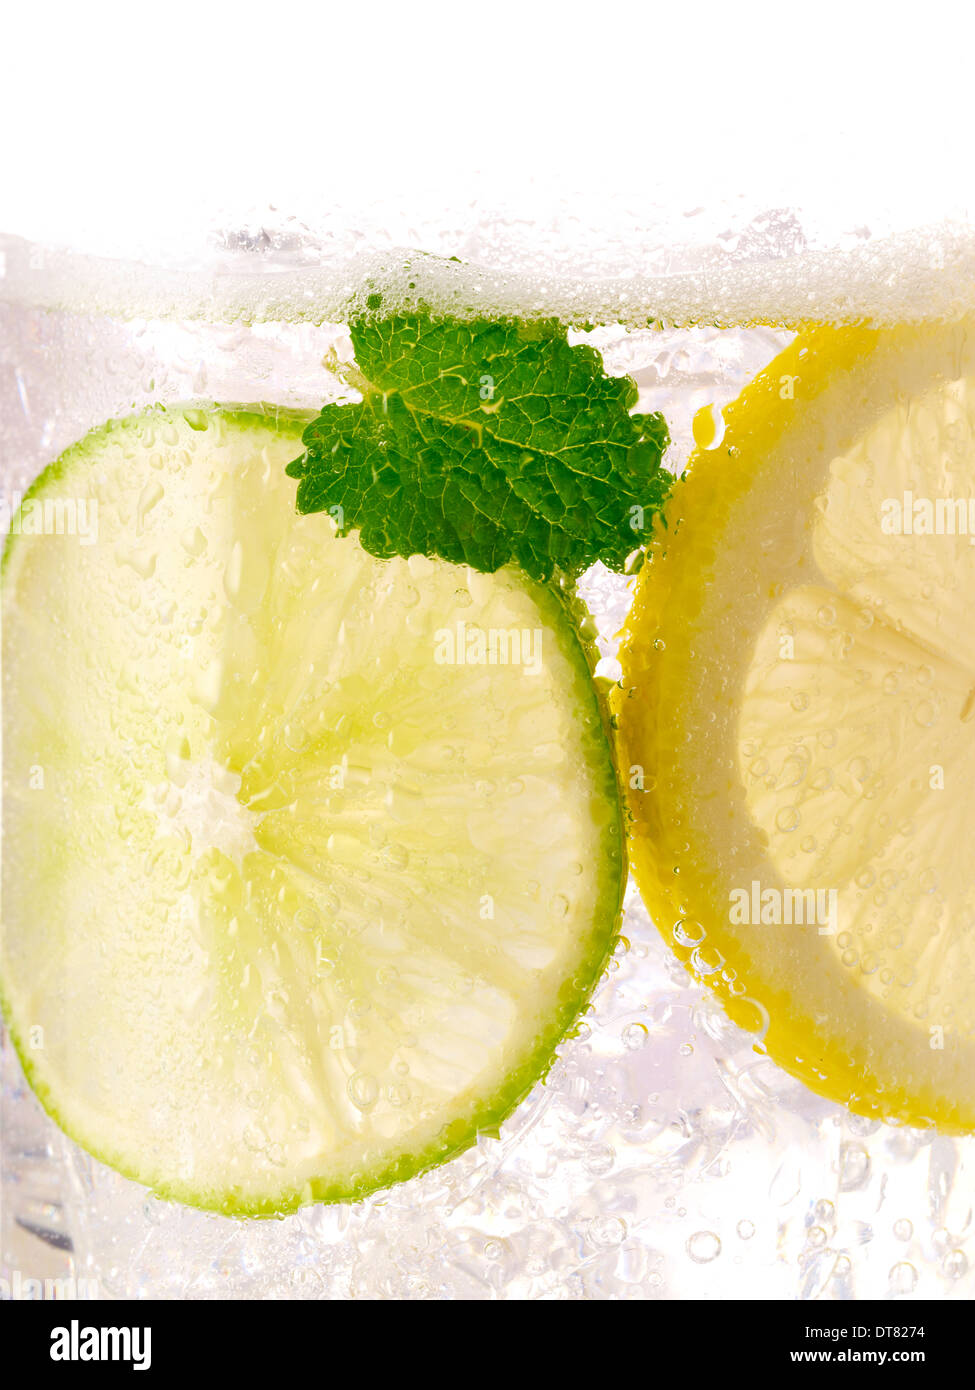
(928, 273)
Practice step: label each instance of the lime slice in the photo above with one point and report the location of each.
(799, 692)
(310, 859)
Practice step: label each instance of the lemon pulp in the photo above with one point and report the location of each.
(797, 718)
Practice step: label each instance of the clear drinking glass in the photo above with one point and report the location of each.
(664, 1156)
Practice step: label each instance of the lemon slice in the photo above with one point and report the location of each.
(309, 858)
(797, 718)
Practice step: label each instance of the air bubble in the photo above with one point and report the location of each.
(688, 932)
(703, 1247)
(854, 1167)
(363, 1090)
(605, 1232)
(903, 1278)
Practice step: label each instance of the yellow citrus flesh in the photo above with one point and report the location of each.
(797, 711)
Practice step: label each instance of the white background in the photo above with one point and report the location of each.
(129, 126)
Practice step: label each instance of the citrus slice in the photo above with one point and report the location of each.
(310, 859)
(797, 718)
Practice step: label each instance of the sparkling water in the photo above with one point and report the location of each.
(663, 1156)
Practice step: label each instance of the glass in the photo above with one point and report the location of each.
(663, 1157)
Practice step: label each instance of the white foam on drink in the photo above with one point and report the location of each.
(927, 273)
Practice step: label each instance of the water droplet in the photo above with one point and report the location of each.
(396, 857)
(708, 426)
(903, 1278)
(150, 495)
(854, 1167)
(398, 1094)
(363, 1090)
(234, 571)
(634, 1036)
(307, 919)
(925, 714)
(687, 932)
(703, 1247)
(599, 1161)
(605, 1232)
(193, 541)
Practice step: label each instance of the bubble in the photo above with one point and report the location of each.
(154, 1210)
(703, 1247)
(307, 919)
(854, 1167)
(599, 1161)
(925, 714)
(395, 857)
(903, 1278)
(605, 1232)
(255, 1139)
(745, 1229)
(903, 1229)
(687, 932)
(363, 1090)
(955, 1264)
(787, 819)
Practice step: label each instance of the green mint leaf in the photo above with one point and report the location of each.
(484, 442)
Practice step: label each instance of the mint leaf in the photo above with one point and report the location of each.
(483, 442)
